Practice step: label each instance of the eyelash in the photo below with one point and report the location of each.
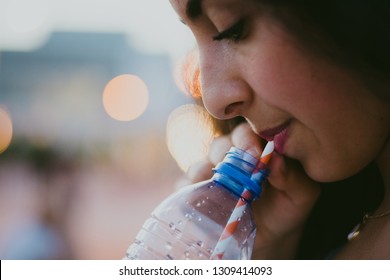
(234, 33)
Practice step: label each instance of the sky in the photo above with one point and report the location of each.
(152, 25)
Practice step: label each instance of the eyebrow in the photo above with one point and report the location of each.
(194, 9)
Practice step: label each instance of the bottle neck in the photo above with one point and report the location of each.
(235, 174)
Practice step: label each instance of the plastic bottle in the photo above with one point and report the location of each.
(189, 223)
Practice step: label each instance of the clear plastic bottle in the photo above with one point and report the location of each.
(189, 223)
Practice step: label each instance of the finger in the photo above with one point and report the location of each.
(218, 149)
(200, 171)
(288, 176)
(244, 138)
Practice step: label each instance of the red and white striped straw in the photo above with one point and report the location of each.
(264, 159)
(240, 207)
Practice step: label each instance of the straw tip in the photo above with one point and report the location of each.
(267, 153)
(270, 146)
(268, 149)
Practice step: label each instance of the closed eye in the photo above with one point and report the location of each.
(234, 33)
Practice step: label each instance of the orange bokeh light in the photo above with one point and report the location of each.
(6, 130)
(125, 97)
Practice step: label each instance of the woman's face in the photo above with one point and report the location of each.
(315, 112)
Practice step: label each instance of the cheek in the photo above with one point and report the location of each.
(277, 73)
(337, 133)
(285, 78)
(283, 74)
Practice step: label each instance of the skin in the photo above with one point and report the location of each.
(335, 125)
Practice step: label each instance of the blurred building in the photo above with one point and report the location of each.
(57, 90)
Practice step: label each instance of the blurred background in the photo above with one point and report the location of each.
(96, 127)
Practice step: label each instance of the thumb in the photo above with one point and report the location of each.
(289, 177)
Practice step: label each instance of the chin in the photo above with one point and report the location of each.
(325, 174)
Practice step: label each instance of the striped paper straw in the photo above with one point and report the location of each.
(258, 173)
(240, 207)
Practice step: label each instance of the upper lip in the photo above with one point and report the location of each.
(269, 134)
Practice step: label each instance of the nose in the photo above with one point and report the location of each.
(225, 92)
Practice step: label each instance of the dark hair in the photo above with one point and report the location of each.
(353, 34)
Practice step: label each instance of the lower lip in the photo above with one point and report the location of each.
(280, 140)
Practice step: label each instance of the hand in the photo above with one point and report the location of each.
(285, 203)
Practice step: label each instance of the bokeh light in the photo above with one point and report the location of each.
(189, 134)
(125, 97)
(6, 130)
